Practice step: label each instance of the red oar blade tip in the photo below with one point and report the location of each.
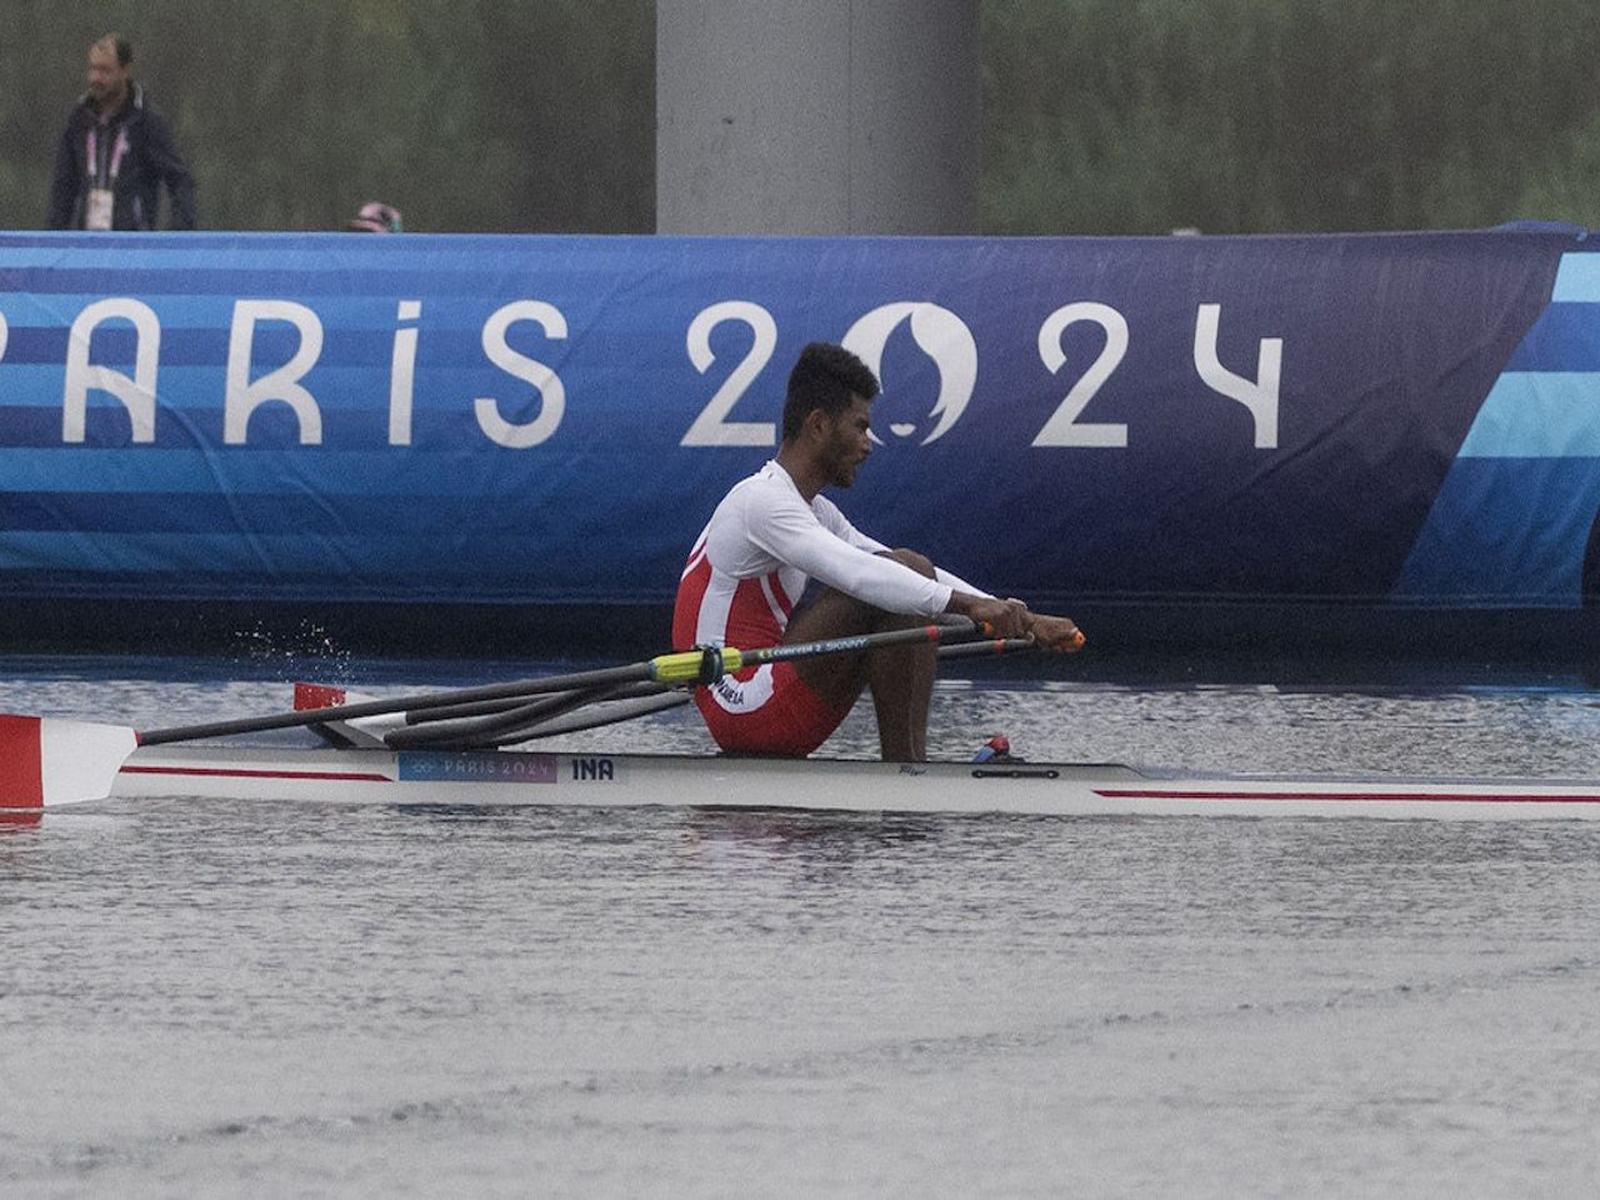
(45, 761)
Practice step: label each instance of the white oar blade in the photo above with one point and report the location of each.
(45, 761)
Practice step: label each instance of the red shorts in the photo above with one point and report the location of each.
(770, 713)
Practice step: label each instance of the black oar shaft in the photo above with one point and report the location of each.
(375, 708)
(914, 635)
(449, 712)
(987, 646)
(468, 732)
(612, 714)
(506, 722)
(678, 668)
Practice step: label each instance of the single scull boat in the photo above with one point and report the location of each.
(516, 777)
(461, 747)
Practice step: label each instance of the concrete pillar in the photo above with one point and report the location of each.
(817, 116)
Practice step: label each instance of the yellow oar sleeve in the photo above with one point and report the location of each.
(690, 666)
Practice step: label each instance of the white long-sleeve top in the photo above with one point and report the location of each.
(764, 543)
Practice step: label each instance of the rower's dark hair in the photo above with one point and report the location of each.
(825, 376)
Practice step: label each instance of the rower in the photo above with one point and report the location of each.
(778, 562)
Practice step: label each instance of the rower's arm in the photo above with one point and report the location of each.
(833, 520)
(793, 535)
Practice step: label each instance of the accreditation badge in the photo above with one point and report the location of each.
(97, 214)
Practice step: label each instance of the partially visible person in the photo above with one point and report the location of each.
(375, 217)
(116, 153)
(778, 562)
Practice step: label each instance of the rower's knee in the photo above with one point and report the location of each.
(920, 563)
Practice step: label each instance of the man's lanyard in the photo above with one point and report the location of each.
(118, 149)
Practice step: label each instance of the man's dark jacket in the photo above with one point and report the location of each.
(150, 160)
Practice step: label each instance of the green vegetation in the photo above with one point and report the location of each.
(1100, 116)
(1245, 116)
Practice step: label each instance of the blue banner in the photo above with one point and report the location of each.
(550, 420)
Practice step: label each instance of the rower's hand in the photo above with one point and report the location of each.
(1012, 619)
(997, 618)
(1054, 633)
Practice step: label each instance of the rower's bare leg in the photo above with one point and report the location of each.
(901, 677)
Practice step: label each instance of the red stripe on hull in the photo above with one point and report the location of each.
(1379, 797)
(241, 773)
(21, 764)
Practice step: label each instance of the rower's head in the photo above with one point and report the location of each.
(828, 409)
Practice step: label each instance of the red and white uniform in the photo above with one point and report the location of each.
(748, 569)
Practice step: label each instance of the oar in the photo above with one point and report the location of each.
(46, 760)
(480, 708)
(611, 714)
(703, 666)
(987, 646)
(506, 722)
(450, 712)
(493, 728)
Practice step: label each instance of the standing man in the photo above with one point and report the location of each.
(116, 153)
(746, 580)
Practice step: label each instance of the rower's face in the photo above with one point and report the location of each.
(849, 441)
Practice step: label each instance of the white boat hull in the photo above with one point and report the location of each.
(505, 778)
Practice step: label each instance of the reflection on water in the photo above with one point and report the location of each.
(243, 999)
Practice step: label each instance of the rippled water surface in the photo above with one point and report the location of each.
(247, 1000)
